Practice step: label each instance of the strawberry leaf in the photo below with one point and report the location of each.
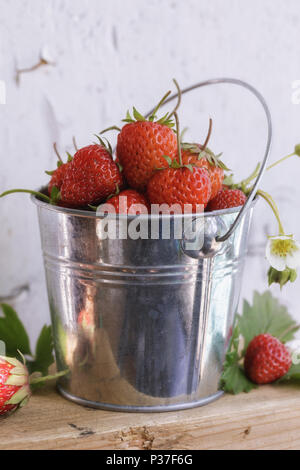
(43, 352)
(138, 116)
(266, 315)
(13, 333)
(292, 375)
(233, 378)
(168, 159)
(16, 340)
(55, 195)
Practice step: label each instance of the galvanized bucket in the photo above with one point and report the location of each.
(143, 325)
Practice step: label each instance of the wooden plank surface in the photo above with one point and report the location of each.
(268, 418)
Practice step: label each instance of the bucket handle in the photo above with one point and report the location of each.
(256, 93)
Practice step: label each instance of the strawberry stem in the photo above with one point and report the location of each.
(111, 128)
(268, 198)
(178, 101)
(29, 191)
(178, 138)
(253, 175)
(47, 377)
(75, 144)
(152, 117)
(208, 135)
(57, 152)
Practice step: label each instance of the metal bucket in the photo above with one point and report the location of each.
(143, 325)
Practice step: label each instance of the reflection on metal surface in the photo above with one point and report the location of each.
(142, 324)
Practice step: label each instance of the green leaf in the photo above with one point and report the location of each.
(13, 333)
(43, 353)
(235, 381)
(169, 159)
(190, 167)
(138, 116)
(292, 375)
(55, 195)
(233, 378)
(266, 315)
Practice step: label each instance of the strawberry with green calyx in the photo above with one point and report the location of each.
(266, 359)
(180, 184)
(257, 353)
(15, 384)
(202, 156)
(57, 175)
(142, 143)
(90, 177)
(55, 183)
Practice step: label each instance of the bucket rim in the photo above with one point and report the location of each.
(93, 215)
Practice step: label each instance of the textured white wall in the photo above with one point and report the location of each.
(111, 54)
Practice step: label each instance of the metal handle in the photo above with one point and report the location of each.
(256, 93)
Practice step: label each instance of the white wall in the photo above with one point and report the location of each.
(111, 54)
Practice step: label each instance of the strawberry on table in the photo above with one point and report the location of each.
(14, 385)
(266, 359)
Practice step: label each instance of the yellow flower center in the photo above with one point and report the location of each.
(283, 248)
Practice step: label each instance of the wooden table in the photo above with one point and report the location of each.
(268, 418)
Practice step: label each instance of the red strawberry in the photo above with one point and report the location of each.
(123, 201)
(90, 177)
(227, 198)
(216, 173)
(180, 186)
(143, 143)
(14, 385)
(57, 177)
(140, 149)
(266, 359)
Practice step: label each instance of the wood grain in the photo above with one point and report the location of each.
(268, 418)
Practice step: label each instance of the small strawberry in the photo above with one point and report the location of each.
(266, 359)
(202, 156)
(227, 198)
(90, 177)
(14, 385)
(142, 144)
(57, 175)
(124, 200)
(216, 173)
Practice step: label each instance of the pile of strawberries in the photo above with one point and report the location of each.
(151, 166)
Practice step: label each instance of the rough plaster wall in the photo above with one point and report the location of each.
(112, 54)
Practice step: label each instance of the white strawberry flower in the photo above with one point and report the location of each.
(283, 252)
